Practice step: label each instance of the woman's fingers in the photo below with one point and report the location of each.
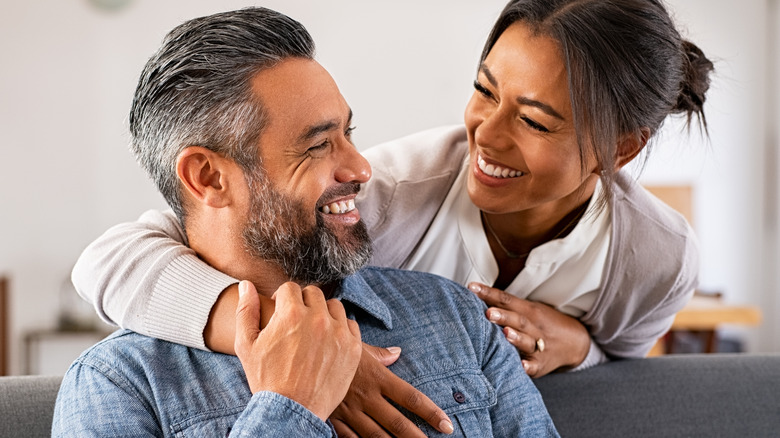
(342, 430)
(498, 298)
(415, 401)
(533, 368)
(508, 318)
(385, 356)
(367, 408)
(355, 423)
(546, 338)
(524, 343)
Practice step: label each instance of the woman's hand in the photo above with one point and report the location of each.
(366, 410)
(547, 339)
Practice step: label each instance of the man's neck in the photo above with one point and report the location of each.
(267, 277)
(226, 253)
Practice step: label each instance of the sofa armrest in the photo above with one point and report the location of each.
(27, 405)
(677, 395)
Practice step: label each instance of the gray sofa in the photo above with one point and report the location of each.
(672, 396)
(715, 395)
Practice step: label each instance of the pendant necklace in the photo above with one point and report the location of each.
(513, 255)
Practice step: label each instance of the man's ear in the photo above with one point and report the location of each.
(203, 174)
(629, 147)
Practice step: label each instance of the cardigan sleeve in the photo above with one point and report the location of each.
(142, 276)
(651, 273)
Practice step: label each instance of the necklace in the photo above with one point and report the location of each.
(514, 255)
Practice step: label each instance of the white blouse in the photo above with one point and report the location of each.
(563, 273)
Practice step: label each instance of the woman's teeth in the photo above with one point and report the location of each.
(497, 171)
(338, 207)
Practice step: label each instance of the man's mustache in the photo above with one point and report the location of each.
(338, 191)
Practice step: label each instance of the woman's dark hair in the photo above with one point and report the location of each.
(628, 69)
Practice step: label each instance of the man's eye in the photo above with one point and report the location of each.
(349, 131)
(318, 148)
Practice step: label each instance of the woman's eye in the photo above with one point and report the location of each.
(534, 125)
(482, 90)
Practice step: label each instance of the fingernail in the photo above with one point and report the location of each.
(493, 315)
(243, 289)
(511, 335)
(446, 427)
(475, 287)
(525, 366)
(394, 350)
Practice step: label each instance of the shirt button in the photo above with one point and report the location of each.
(459, 397)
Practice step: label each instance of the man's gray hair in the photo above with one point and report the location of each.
(196, 91)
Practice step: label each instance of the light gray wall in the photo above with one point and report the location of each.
(68, 70)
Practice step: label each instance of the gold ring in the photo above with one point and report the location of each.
(539, 345)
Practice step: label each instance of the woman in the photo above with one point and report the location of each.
(528, 197)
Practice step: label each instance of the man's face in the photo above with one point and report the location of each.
(302, 213)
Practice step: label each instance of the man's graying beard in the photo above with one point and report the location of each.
(277, 231)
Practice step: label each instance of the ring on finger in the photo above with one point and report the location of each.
(539, 345)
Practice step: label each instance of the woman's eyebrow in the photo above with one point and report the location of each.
(520, 99)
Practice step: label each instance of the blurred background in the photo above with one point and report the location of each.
(68, 69)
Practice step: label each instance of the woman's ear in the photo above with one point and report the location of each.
(629, 147)
(203, 175)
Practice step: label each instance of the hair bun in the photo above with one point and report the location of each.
(696, 82)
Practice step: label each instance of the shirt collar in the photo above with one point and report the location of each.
(354, 289)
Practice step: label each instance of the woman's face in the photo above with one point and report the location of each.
(523, 148)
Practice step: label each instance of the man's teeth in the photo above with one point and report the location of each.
(497, 171)
(338, 207)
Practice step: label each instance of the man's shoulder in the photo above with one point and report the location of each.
(125, 346)
(145, 365)
(128, 353)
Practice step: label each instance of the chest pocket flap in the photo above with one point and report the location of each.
(458, 391)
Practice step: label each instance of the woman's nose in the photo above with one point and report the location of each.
(493, 131)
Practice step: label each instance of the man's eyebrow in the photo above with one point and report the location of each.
(520, 99)
(318, 129)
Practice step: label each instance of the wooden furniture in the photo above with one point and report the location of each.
(4, 326)
(704, 314)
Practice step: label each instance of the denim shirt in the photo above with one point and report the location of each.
(132, 385)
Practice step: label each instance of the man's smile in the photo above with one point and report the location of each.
(339, 207)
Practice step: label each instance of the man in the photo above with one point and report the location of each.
(248, 139)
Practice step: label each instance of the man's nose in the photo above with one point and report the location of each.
(353, 167)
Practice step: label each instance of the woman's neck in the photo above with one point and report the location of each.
(513, 236)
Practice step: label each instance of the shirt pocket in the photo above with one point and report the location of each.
(214, 423)
(465, 395)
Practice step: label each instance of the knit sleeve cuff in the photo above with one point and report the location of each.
(182, 299)
(595, 357)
